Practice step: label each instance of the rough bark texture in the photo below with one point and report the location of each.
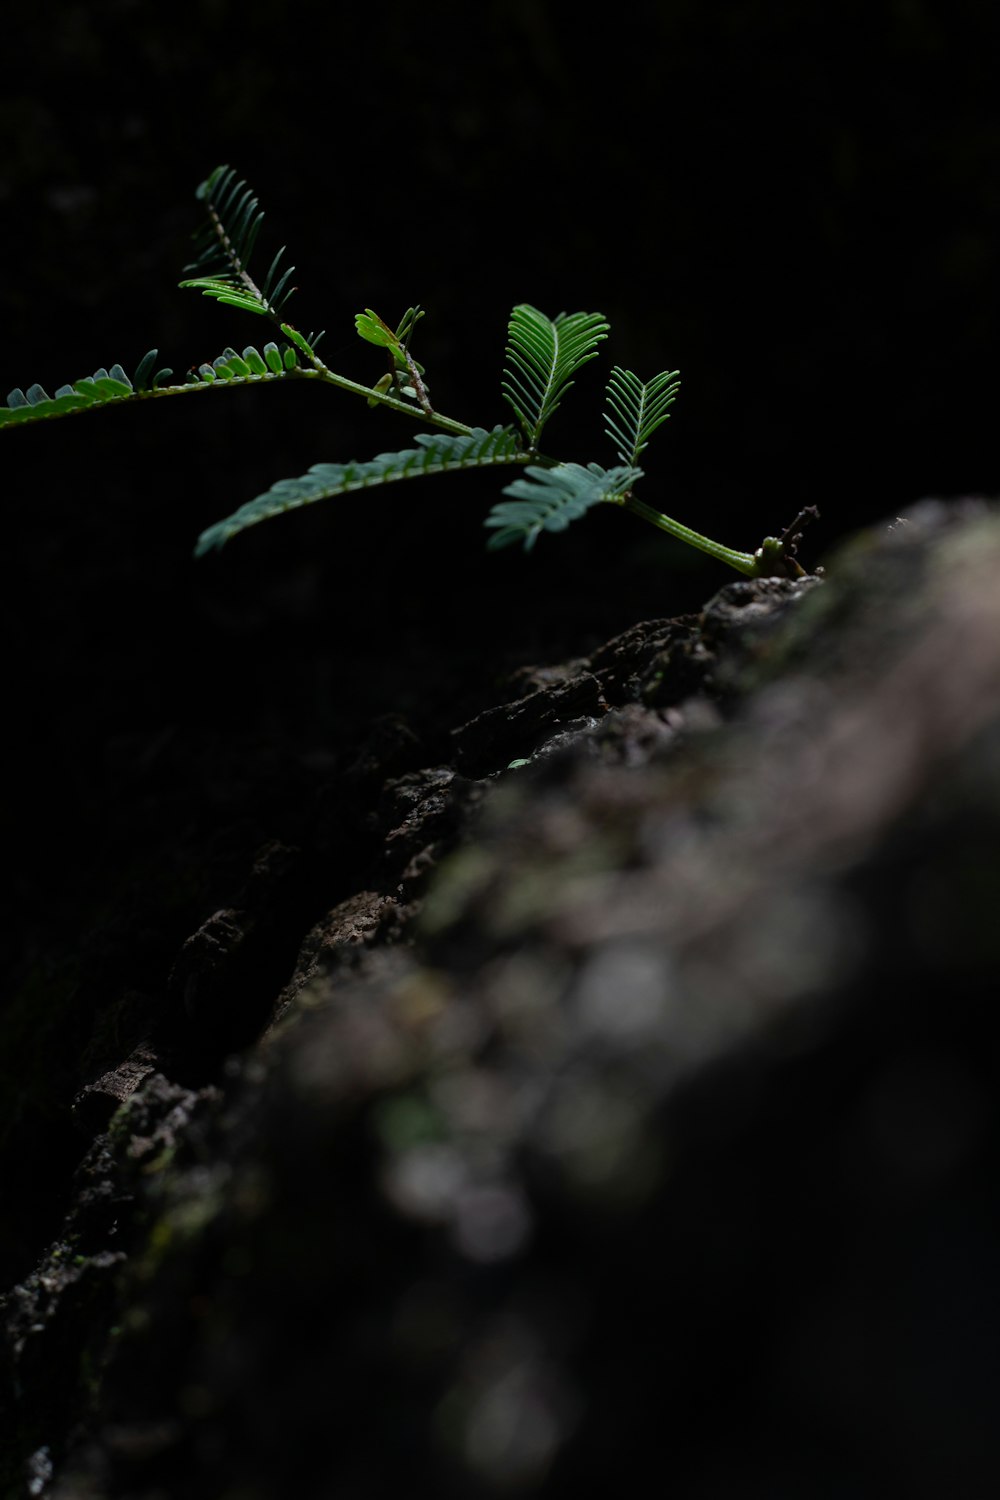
(634, 1106)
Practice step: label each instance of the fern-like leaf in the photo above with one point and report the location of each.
(437, 453)
(225, 244)
(99, 389)
(253, 364)
(544, 355)
(636, 410)
(549, 499)
(405, 377)
(374, 330)
(112, 387)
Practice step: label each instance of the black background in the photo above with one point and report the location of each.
(796, 204)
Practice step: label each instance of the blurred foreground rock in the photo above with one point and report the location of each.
(637, 1115)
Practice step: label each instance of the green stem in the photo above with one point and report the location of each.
(448, 424)
(743, 562)
(436, 419)
(297, 372)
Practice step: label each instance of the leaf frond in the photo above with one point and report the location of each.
(544, 355)
(635, 410)
(99, 389)
(549, 499)
(375, 330)
(225, 243)
(252, 364)
(437, 453)
(405, 377)
(112, 387)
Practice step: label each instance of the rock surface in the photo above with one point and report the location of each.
(636, 1105)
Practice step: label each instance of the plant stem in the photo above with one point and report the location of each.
(371, 393)
(300, 372)
(743, 562)
(448, 424)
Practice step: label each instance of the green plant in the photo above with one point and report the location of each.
(544, 355)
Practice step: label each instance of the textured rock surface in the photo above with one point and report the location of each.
(638, 1105)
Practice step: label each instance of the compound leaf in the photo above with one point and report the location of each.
(549, 499)
(437, 453)
(99, 389)
(107, 387)
(544, 355)
(225, 243)
(636, 410)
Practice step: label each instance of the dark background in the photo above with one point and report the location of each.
(796, 204)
